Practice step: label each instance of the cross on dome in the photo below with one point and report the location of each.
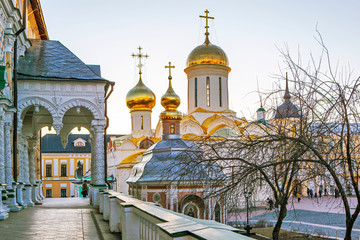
(169, 67)
(140, 56)
(207, 24)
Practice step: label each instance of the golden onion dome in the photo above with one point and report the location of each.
(207, 53)
(170, 100)
(140, 97)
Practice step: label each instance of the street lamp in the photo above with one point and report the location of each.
(247, 195)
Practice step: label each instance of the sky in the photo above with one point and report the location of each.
(251, 33)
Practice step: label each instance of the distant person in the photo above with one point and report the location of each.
(308, 192)
(271, 204)
(84, 189)
(315, 195)
(325, 192)
(336, 193)
(298, 197)
(320, 192)
(311, 193)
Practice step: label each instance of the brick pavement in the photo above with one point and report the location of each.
(61, 218)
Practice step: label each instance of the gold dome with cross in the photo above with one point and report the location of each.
(207, 53)
(140, 97)
(170, 100)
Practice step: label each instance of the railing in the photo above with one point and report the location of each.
(136, 219)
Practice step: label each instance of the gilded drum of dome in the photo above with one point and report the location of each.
(140, 98)
(207, 54)
(170, 102)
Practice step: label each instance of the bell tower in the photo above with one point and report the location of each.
(207, 71)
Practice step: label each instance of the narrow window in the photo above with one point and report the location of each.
(196, 92)
(63, 192)
(142, 123)
(48, 170)
(208, 91)
(172, 128)
(63, 170)
(220, 96)
(48, 193)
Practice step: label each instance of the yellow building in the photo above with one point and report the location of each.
(61, 166)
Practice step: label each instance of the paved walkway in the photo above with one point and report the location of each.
(320, 216)
(57, 218)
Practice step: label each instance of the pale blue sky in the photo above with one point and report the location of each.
(107, 32)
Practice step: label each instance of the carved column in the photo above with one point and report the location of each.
(97, 161)
(8, 157)
(24, 176)
(32, 149)
(2, 165)
(2, 152)
(97, 173)
(10, 184)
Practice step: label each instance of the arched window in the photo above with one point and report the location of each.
(220, 96)
(172, 128)
(196, 92)
(207, 91)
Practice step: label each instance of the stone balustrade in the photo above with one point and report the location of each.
(136, 219)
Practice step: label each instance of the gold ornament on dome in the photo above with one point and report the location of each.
(140, 97)
(207, 53)
(170, 100)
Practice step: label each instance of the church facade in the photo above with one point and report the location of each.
(208, 115)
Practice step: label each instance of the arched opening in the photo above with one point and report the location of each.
(217, 212)
(192, 205)
(146, 143)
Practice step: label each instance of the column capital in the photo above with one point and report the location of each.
(98, 124)
(9, 42)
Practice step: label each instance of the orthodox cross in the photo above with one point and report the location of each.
(206, 17)
(169, 67)
(140, 56)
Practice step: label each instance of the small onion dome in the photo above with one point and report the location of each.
(261, 109)
(207, 53)
(170, 101)
(140, 97)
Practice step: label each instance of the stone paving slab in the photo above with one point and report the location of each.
(63, 218)
(319, 216)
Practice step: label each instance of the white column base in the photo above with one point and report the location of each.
(34, 194)
(27, 195)
(4, 198)
(106, 210)
(40, 184)
(95, 194)
(19, 195)
(11, 201)
(3, 212)
(101, 200)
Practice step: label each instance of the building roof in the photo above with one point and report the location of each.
(173, 159)
(52, 61)
(51, 143)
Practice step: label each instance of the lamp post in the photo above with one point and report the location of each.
(247, 195)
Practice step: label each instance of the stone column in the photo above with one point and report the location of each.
(97, 161)
(32, 168)
(10, 184)
(2, 167)
(3, 212)
(24, 176)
